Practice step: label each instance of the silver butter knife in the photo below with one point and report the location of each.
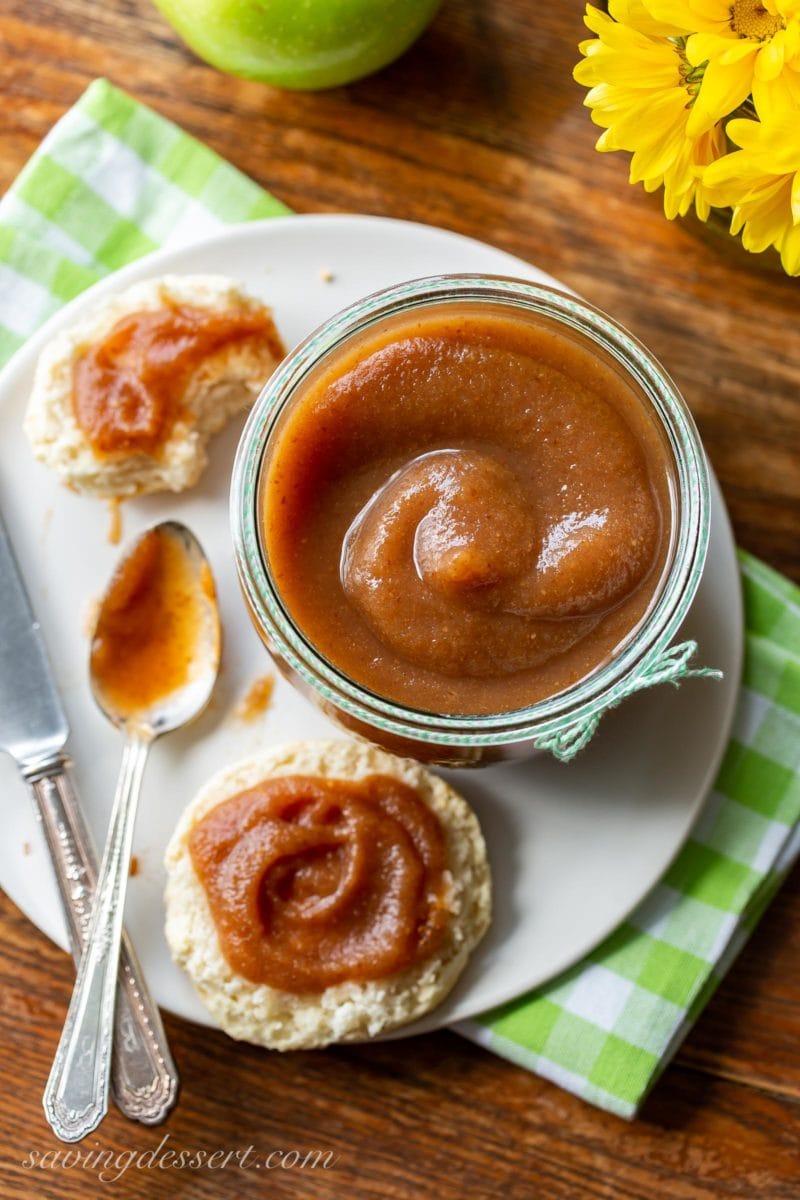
(34, 731)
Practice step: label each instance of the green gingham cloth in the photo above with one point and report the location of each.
(113, 181)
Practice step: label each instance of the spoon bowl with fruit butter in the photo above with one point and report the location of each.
(154, 662)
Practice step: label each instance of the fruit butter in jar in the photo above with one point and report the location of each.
(470, 514)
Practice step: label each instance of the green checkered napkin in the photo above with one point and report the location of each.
(113, 181)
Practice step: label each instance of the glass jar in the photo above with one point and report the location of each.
(561, 723)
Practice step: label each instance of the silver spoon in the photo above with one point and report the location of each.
(76, 1095)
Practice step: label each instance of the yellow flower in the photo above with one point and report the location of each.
(641, 91)
(746, 46)
(761, 181)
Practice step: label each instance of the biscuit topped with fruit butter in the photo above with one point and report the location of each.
(125, 401)
(325, 891)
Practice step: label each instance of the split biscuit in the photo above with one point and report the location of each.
(221, 384)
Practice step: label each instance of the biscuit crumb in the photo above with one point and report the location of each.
(326, 275)
(46, 523)
(115, 520)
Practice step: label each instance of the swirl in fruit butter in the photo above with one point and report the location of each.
(467, 510)
(314, 881)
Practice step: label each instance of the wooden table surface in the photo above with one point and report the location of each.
(480, 129)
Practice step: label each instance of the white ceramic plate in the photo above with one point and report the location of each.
(573, 848)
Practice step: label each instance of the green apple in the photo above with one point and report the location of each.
(304, 44)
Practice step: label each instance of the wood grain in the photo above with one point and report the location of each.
(479, 129)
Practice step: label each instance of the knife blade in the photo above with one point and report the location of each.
(33, 724)
(34, 730)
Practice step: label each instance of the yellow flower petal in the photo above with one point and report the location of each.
(634, 13)
(684, 16)
(795, 198)
(596, 20)
(717, 12)
(703, 47)
(767, 195)
(736, 51)
(744, 133)
(774, 98)
(723, 89)
(644, 72)
(606, 142)
(765, 223)
(792, 37)
(733, 179)
(618, 37)
(773, 148)
(701, 206)
(765, 216)
(654, 130)
(788, 9)
(769, 60)
(790, 251)
(737, 221)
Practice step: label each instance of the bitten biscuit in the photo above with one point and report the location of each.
(222, 383)
(347, 1011)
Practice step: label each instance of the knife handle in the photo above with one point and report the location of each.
(144, 1077)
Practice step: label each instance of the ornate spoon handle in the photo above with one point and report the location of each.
(144, 1078)
(76, 1095)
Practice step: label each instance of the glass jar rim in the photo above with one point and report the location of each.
(601, 688)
